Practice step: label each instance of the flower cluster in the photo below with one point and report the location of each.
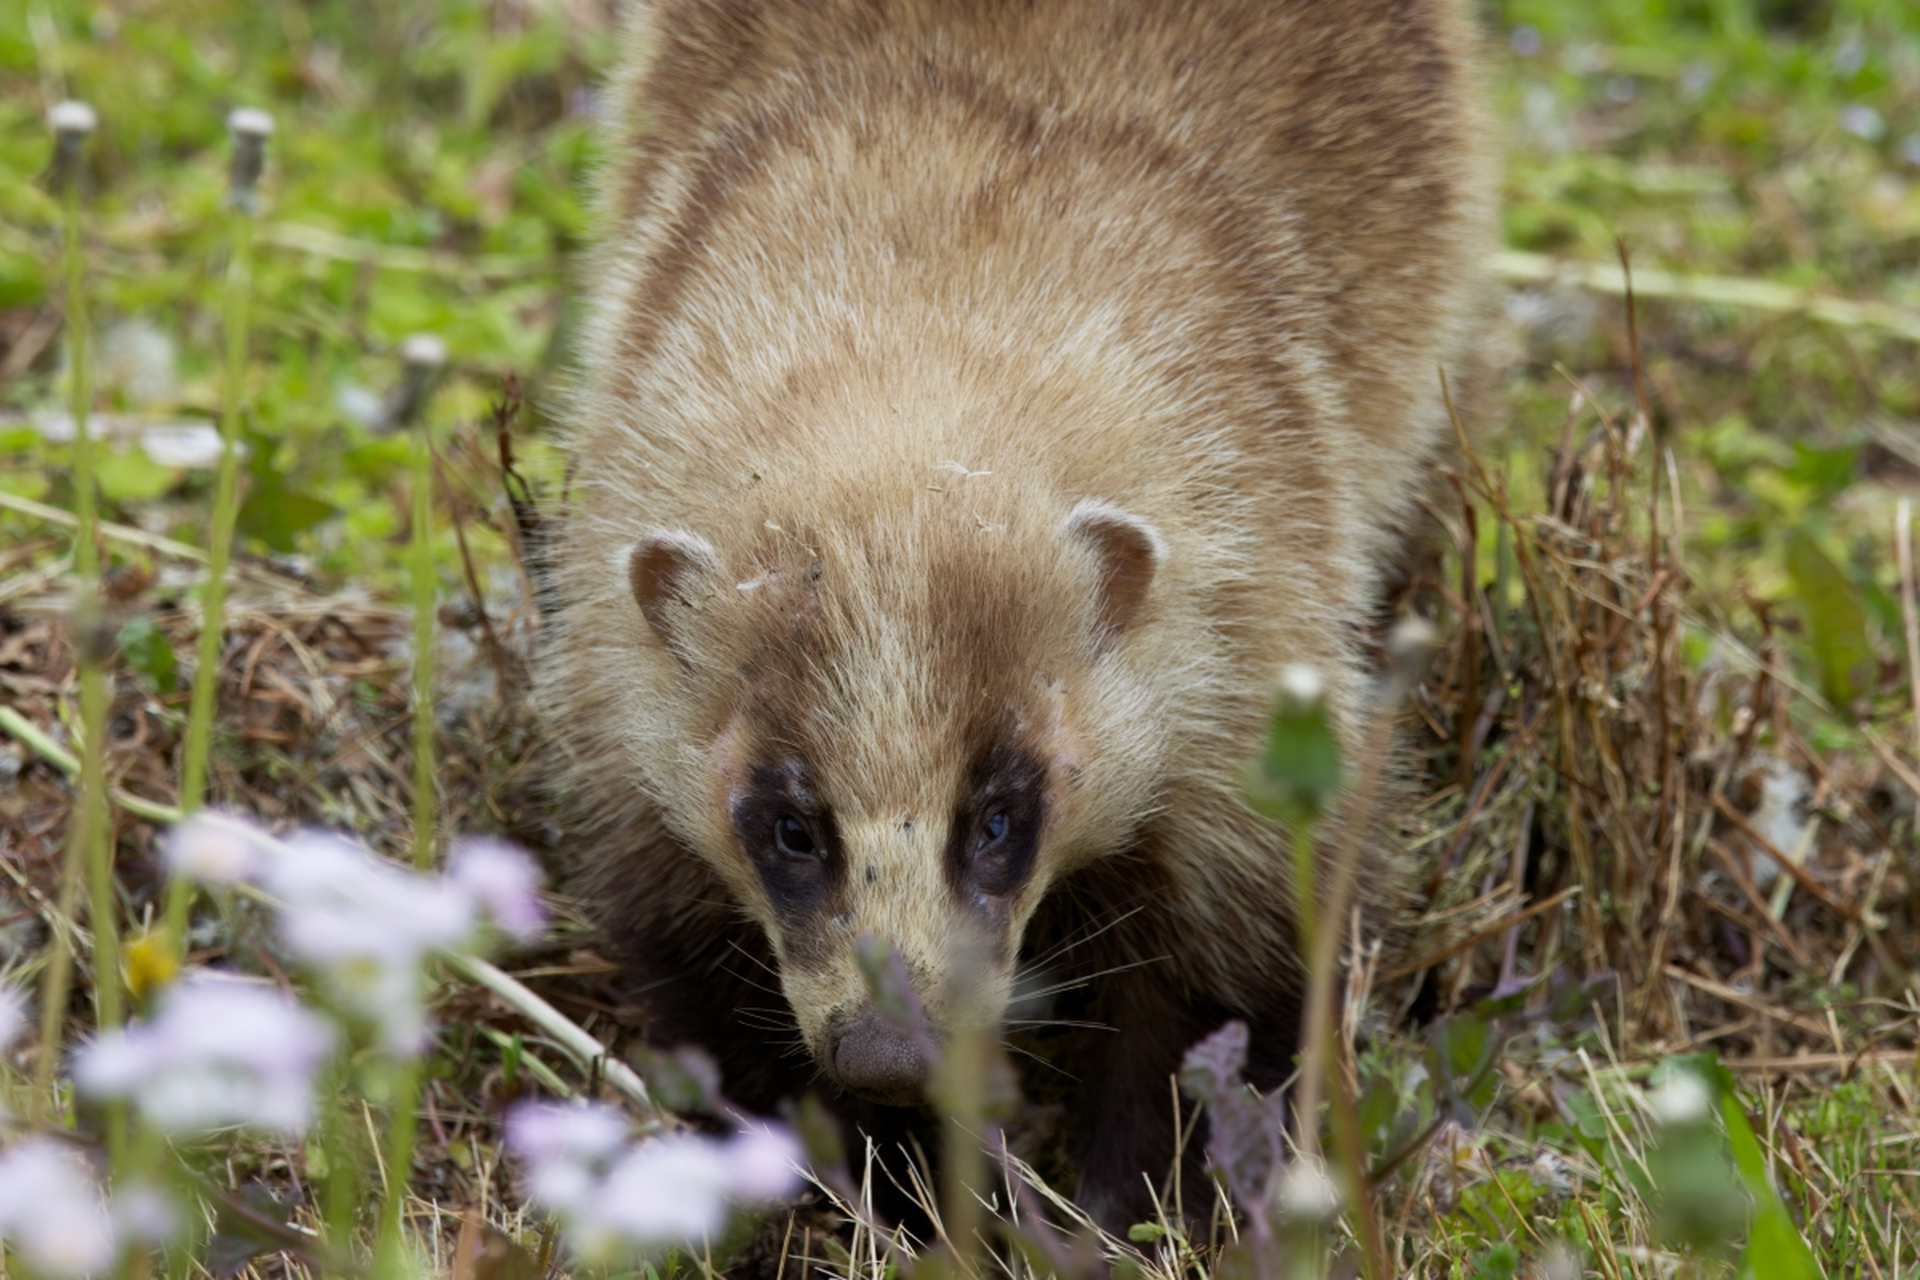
(612, 1196)
(53, 1217)
(364, 926)
(51, 1213)
(218, 1052)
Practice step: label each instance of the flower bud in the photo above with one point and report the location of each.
(1299, 775)
(1306, 1194)
(250, 128)
(71, 122)
(1410, 647)
(1684, 1100)
(422, 357)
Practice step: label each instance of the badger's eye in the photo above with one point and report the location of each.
(994, 829)
(793, 837)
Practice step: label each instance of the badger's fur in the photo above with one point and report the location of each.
(983, 402)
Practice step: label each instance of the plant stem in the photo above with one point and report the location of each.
(206, 674)
(390, 1253)
(342, 1181)
(89, 852)
(86, 549)
(1306, 1104)
(423, 790)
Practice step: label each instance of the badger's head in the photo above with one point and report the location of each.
(907, 724)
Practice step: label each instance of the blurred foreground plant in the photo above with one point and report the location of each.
(250, 130)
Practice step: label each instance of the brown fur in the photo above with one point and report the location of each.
(984, 401)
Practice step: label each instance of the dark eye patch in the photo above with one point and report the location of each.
(996, 824)
(790, 837)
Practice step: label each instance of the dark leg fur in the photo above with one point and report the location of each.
(1125, 1132)
(1124, 1139)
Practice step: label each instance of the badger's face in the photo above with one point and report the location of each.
(908, 731)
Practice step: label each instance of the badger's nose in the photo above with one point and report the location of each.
(878, 1060)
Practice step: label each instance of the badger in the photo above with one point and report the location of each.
(982, 403)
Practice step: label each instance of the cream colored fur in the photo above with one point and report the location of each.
(884, 294)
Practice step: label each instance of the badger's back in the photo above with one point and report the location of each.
(1201, 260)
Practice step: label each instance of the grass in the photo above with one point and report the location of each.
(1670, 592)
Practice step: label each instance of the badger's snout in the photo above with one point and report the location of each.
(878, 1059)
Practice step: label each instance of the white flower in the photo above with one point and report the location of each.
(611, 1196)
(219, 1052)
(145, 1214)
(250, 121)
(51, 1213)
(1302, 684)
(215, 848)
(668, 1191)
(503, 884)
(339, 903)
(546, 1131)
(1684, 1099)
(13, 1015)
(765, 1163)
(367, 928)
(1863, 122)
(72, 117)
(1306, 1193)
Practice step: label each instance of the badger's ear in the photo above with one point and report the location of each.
(667, 571)
(1129, 552)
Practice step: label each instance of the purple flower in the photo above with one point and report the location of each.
(764, 1163)
(51, 1213)
(612, 1197)
(219, 1052)
(542, 1132)
(502, 882)
(673, 1190)
(216, 848)
(366, 927)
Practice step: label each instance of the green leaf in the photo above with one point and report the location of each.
(149, 652)
(1775, 1249)
(1300, 772)
(129, 475)
(1502, 1262)
(1825, 471)
(1836, 622)
(1146, 1233)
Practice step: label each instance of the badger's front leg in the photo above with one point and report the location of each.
(1129, 1123)
(1128, 1129)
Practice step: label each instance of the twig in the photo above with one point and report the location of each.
(1744, 883)
(1903, 552)
(569, 1035)
(1800, 874)
(132, 537)
(321, 243)
(65, 761)
(1755, 295)
(1479, 936)
(116, 532)
(495, 652)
